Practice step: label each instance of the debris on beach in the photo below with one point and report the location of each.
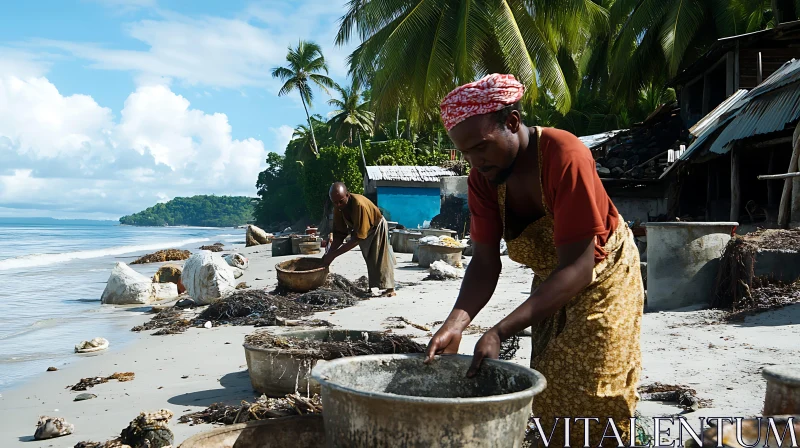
(185, 303)
(327, 299)
(237, 261)
(242, 285)
(51, 369)
(84, 397)
(326, 349)
(509, 347)
(149, 430)
(738, 290)
(440, 270)
(684, 396)
(359, 288)
(216, 247)
(52, 427)
(86, 383)
(262, 408)
(168, 321)
(404, 320)
(253, 307)
(164, 255)
(95, 345)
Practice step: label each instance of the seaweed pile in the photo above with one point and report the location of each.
(164, 255)
(86, 383)
(328, 349)
(216, 247)
(261, 409)
(168, 321)
(252, 307)
(360, 288)
(509, 347)
(737, 287)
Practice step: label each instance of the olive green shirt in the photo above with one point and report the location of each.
(358, 217)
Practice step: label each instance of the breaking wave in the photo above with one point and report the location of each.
(37, 260)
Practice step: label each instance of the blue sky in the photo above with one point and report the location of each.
(109, 106)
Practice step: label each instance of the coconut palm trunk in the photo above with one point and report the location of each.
(310, 127)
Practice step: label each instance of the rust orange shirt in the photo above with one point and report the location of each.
(573, 193)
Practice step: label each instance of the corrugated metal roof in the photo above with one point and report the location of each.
(768, 108)
(407, 173)
(598, 139)
(711, 121)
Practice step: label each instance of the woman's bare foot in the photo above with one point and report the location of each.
(389, 293)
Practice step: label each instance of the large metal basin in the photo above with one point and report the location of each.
(396, 400)
(402, 241)
(278, 372)
(303, 431)
(301, 274)
(429, 253)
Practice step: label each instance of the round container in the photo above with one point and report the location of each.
(401, 241)
(301, 274)
(682, 262)
(281, 246)
(296, 240)
(783, 390)
(396, 400)
(278, 372)
(300, 431)
(311, 231)
(430, 253)
(310, 248)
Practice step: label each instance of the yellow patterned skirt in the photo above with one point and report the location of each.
(589, 351)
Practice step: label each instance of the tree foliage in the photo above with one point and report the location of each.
(204, 211)
(335, 164)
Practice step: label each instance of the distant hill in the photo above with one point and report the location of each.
(201, 211)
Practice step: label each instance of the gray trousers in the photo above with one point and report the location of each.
(379, 256)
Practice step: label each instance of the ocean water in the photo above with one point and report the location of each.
(52, 274)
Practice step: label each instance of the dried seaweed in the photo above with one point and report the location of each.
(164, 255)
(359, 289)
(86, 383)
(684, 396)
(509, 347)
(327, 299)
(261, 409)
(328, 349)
(168, 321)
(737, 287)
(252, 307)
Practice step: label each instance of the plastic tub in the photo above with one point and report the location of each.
(430, 253)
(438, 232)
(310, 248)
(401, 241)
(297, 240)
(301, 274)
(300, 431)
(277, 372)
(396, 400)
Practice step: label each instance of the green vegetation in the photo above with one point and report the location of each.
(204, 211)
(589, 66)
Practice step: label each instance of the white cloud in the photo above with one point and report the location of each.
(20, 63)
(283, 135)
(67, 154)
(220, 52)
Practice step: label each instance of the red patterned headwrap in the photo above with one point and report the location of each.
(486, 95)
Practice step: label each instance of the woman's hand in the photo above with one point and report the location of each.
(487, 347)
(445, 341)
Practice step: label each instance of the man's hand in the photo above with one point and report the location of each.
(445, 341)
(487, 347)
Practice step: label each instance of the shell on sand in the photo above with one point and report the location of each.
(95, 345)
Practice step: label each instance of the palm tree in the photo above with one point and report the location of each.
(303, 142)
(305, 64)
(351, 114)
(653, 34)
(414, 51)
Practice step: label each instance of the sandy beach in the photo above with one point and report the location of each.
(187, 372)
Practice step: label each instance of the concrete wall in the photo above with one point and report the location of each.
(409, 206)
(632, 209)
(682, 262)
